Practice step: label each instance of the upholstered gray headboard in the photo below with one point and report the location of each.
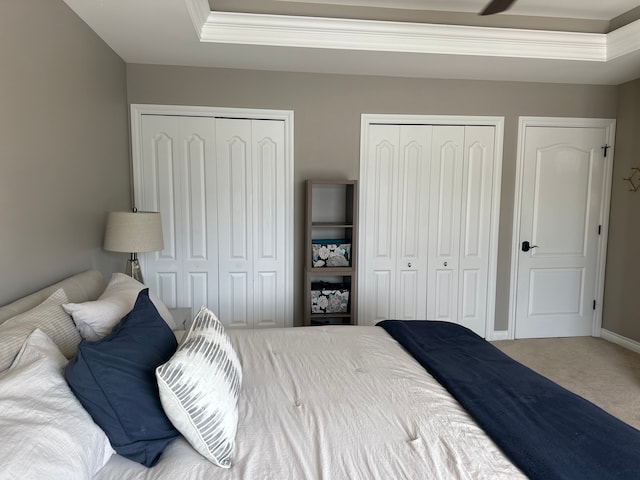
(81, 287)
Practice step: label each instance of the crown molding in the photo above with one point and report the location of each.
(199, 11)
(623, 41)
(382, 36)
(372, 35)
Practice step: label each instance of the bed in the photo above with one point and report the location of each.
(333, 402)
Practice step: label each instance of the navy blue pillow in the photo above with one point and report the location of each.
(114, 379)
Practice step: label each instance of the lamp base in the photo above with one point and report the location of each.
(133, 269)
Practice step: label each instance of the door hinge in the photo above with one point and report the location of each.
(599, 229)
(594, 304)
(605, 147)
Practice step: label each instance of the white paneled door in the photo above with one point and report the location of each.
(176, 178)
(460, 224)
(560, 230)
(250, 183)
(428, 210)
(223, 187)
(395, 236)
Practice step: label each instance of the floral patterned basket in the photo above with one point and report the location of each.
(329, 298)
(330, 253)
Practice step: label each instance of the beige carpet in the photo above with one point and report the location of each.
(600, 371)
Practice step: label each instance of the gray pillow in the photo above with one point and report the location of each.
(48, 317)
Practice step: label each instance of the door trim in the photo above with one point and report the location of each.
(524, 122)
(498, 123)
(139, 110)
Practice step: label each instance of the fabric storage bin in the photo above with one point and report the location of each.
(329, 298)
(330, 253)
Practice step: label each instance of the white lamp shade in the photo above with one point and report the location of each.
(133, 232)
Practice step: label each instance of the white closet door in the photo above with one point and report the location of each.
(426, 217)
(235, 221)
(251, 235)
(223, 187)
(395, 227)
(269, 239)
(475, 227)
(445, 190)
(377, 285)
(412, 228)
(460, 223)
(177, 164)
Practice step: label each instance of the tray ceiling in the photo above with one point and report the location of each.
(188, 32)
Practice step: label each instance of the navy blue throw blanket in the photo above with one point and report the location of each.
(547, 431)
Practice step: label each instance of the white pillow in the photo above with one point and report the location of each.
(96, 319)
(48, 316)
(199, 388)
(45, 431)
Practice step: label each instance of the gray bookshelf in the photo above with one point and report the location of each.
(331, 252)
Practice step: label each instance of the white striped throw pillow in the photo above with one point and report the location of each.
(199, 388)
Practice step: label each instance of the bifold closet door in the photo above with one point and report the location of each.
(251, 233)
(395, 225)
(177, 178)
(459, 224)
(427, 192)
(219, 185)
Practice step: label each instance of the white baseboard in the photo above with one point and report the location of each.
(498, 335)
(620, 340)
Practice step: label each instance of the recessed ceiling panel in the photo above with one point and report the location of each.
(593, 9)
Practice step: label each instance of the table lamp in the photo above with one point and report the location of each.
(133, 232)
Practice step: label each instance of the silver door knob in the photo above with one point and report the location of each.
(445, 264)
(409, 264)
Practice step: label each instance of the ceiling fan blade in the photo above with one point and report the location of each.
(497, 6)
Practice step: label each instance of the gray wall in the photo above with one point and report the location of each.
(622, 287)
(64, 153)
(327, 121)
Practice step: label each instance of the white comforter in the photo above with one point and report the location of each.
(336, 403)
